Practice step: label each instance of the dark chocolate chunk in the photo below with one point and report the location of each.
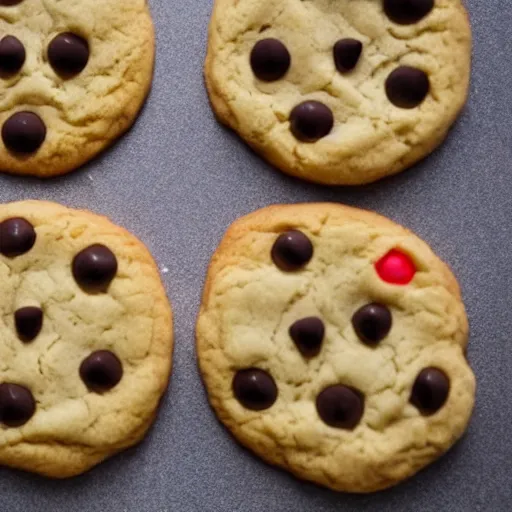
(270, 60)
(255, 389)
(68, 54)
(308, 335)
(95, 267)
(28, 321)
(8, 3)
(17, 405)
(340, 406)
(430, 390)
(407, 87)
(372, 323)
(292, 250)
(311, 120)
(101, 371)
(407, 12)
(24, 133)
(346, 54)
(17, 236)
(12, 55)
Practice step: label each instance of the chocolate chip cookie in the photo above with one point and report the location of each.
(86, 339)
(339, 91)
(73, 77)
(332, 343)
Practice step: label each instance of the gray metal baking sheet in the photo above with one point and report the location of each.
(178, 179)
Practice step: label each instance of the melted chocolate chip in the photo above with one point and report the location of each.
(270, 60)
(24, 133)
(101, 371)
(311, 120)
(17, 405)
(29, 322)
(407, 87)
(308, 335)
(8, 3)
(255, 389)
(372, 323)
(340, 406)
(94, 267)
(12, 55)
(17, 236)
(292, 250)
(346, 54)
(430, 390)
(68, 54)
(407, 12)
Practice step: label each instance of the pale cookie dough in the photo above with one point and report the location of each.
(73, 77)
(86, 339)
(339, 91)
(332, 343)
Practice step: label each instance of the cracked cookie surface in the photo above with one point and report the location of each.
(74, 76)
(332, 343)
(339, 92)
(86, 338)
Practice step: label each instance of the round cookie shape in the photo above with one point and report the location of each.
(86, 352)
(73, 78)
(316, 368)
(327, 111)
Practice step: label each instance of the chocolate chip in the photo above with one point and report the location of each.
(311, 120)
(23, 132)
(8, 3)
(407, 12)
(255, 389)
(95, 267)
(101, 371)
(308, 335)
(340, 406)
(430, 390)
(407, 87)
(68, 54)
(17, 236)
(28, 321)
(12, 55)
(17, 405)
(270, 60)
(346, 54)
(292, 250)
(372, 323)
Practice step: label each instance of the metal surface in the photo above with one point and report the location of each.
(179, 179)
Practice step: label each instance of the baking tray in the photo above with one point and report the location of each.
(178, 179)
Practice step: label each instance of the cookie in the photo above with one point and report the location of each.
(86, 339)
(332, 343)
(73, 77)
(339, 92)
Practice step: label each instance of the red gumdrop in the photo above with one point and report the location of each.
(396, 268)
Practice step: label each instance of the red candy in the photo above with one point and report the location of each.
(395, 268)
